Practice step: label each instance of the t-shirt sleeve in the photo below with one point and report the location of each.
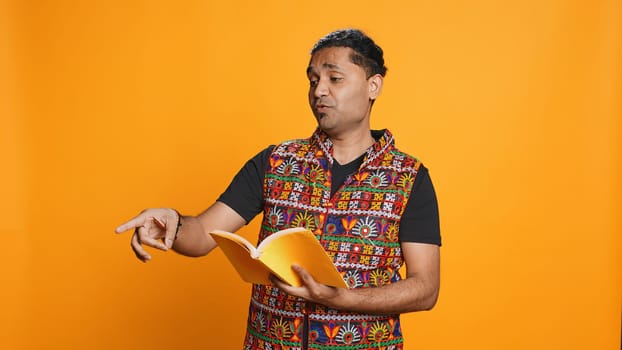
(245, 192)
(420, 221)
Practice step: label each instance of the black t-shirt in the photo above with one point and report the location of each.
(419, 223)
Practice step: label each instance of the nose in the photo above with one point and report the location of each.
(321, 88)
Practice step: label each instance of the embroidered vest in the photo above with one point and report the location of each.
(358, 226)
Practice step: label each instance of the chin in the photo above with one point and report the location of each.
(325, 125)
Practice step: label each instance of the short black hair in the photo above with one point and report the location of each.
(366, 53)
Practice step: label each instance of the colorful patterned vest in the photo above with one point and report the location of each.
(358, 226)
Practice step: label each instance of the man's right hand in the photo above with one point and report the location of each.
(151, 227)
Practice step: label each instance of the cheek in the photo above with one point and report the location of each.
(358, 99)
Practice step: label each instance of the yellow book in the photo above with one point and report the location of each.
(276, 254)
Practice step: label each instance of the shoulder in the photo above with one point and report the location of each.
(263, 155)
(405, 161)
(292, 145)
(295, 149)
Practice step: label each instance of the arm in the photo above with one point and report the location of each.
(417, 292)
(193, 238)
(245, 194)
(152, 226)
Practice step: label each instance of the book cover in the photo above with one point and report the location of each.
(276, 254)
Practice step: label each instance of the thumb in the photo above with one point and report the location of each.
(173, 224)
(304, 275)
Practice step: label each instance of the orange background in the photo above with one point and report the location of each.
(108, 107)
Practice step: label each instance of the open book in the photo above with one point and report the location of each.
(276, 254)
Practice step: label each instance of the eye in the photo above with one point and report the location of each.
(335, 79)
(313, 82)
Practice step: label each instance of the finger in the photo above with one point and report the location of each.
(133, 223)
(304, 275)
(159, 223)
(138, 249)
(279, 283)
(144, 238)
(172, 222)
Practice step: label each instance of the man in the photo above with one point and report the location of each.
(371, 206)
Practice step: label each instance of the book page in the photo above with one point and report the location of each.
(236, 238)
(299, 246)
(278, 234)
(250, 269)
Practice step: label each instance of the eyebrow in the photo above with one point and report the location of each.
(324, 65)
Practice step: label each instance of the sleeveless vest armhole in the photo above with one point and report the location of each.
(418, 164)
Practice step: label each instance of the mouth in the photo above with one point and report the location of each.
(321, 107)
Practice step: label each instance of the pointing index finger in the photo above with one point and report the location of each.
(138, 221)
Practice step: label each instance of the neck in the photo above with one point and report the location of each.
(347, 148)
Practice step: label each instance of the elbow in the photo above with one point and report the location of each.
(430, 302)
(427, 303)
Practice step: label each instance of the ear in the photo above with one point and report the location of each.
(374, 84)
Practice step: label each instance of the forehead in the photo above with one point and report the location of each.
(332, 58)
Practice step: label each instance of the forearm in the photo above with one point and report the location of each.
(192, 239)
(408, 295)
(417, 292)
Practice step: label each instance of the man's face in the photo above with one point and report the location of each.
(339, 92)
